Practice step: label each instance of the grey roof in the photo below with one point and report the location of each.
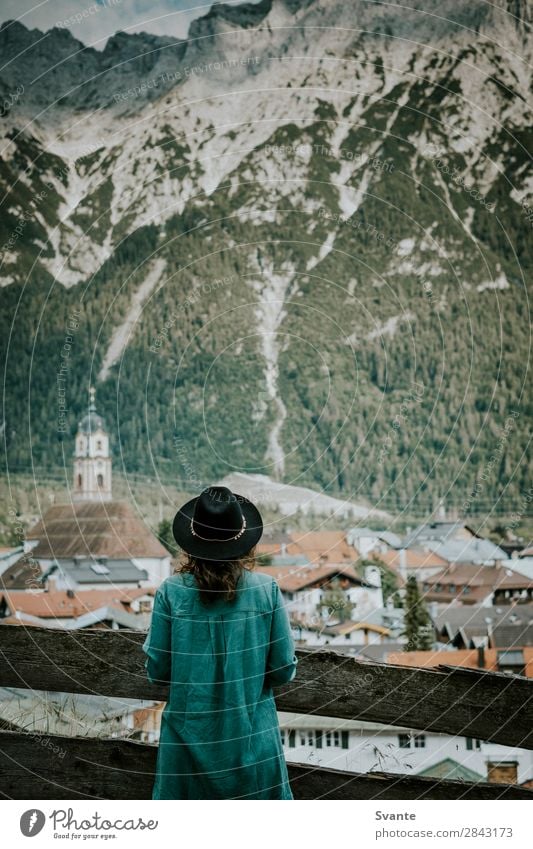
(91, 571)
(508, 636)
(330, 723)
(522, 565)
(436, 531)
(467, 550)
(290, 560)
(390, 538)
(92, 421)
(476, 620)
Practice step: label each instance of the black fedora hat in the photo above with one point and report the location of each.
(217, 525)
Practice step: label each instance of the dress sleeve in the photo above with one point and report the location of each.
(158, 641)
(281, 661)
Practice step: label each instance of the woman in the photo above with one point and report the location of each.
(220, 637)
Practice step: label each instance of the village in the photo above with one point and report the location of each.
(438, 595)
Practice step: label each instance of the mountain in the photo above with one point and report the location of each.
(294, 244)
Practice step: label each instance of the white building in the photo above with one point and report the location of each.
(92, 463)
(304, 590)
(359, 746)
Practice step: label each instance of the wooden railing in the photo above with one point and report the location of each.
(484, 705)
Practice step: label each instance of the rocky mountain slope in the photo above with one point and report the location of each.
(295, 244)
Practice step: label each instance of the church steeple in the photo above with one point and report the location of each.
(92, 461)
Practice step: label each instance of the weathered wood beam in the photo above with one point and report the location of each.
(485, 705)
(49, 767)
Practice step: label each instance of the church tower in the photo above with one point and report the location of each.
(92, 461)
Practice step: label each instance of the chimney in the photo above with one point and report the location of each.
(502, 772)
(402, 564)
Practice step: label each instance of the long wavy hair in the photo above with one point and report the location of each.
(217, 579)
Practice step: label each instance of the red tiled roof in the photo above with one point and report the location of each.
(84, 528)
(414, 559)
(58, 605)
(294, 578)
(328, 547)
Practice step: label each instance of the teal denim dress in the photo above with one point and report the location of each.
(220, 735)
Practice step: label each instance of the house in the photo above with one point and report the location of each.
(70, 610)
(476, 551)
(492, 659)
(91, 531)
(62, 714)
(361, 746)
(343, 635)
(485, 585)
(323, 548)
(369, 542)
(94, 573)
(314, 547)
(439, 532)
(408, 561)
(470, 626)
(304, 588)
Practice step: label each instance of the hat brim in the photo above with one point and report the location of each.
(230, 550)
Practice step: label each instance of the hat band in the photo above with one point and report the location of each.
(227, 539)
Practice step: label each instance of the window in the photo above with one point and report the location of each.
(302, 738)
(282, 733)
(310, 738)
(452, 588)
(328, 738)
(420, 741)
(319, 736)
(404, 741)
(80, 481)
(472, 744)
(99, 569)
(336, 738)
(438, 588)
(466, 590)
(100, 479)
(145, 606)
(98, 444)
(292, 738)
(344, 739)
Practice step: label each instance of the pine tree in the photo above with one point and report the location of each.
(336, 601)
(166, 537)
(417, 623)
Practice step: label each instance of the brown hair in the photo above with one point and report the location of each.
(217, 579)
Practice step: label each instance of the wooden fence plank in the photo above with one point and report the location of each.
(486, 706)
(46, 767)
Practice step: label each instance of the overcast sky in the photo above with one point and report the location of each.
(103, 18)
